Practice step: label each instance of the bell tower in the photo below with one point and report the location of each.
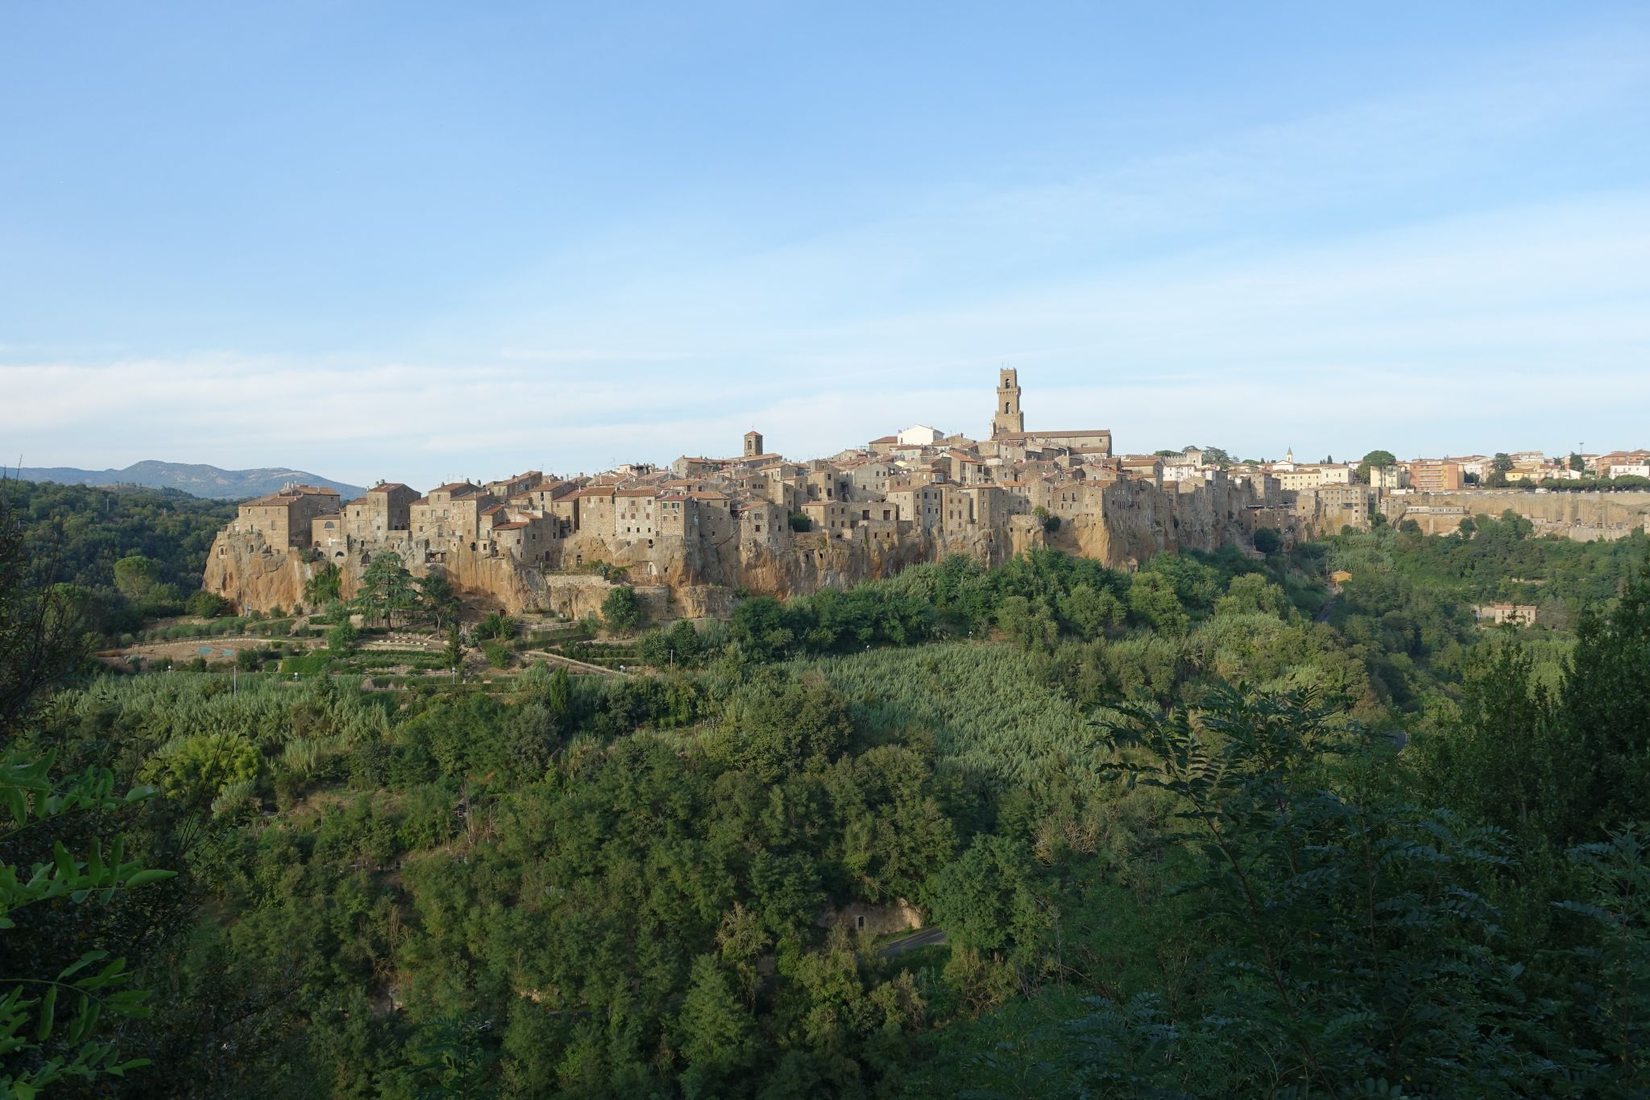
(1008, 418)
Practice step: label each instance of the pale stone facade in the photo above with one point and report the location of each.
(708, 525)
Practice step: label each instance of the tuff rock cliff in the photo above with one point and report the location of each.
(689, 579)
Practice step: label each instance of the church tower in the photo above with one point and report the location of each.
(1008, 417)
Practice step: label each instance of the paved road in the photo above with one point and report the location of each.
(923, 937)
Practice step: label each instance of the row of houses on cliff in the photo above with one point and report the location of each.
(916, 490)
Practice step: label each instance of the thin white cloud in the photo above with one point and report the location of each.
(1176, 296)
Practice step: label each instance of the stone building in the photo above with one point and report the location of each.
(1498, 614)
(725, 523)
(285, 519)
(517, 485)
(1431, 475)
(1008, 419)
(634, 513)
(834, 517)
(386, 507)
(449, 516)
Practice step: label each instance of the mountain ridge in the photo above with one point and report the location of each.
(196, 479)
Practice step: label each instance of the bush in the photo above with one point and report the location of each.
(497, 625)
(342, 637)
(498, 654)
(621, 610)
(208, 605)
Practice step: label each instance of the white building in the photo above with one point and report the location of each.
(919, 435)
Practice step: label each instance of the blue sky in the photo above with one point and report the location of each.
(421, 242)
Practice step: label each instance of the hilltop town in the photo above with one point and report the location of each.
(692, 536)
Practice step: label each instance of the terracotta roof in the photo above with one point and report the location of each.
(509, 526)
(387, 486)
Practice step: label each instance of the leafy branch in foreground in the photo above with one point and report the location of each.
(49, 1025)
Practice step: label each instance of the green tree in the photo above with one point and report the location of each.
(621, 611)
(777, 725)
(1500, 466)
(759, 628)
(1340, 919)
(343, 636)
(496, 625)
(1373, 460)
(1217, 456)
(986, 898)
(137, 577)
(1605, 702)
(1251, 593)
(1027, 622)
(1152, 600)
(1091, 611)
(387, 592)
(1502, 757)
(197, 769)
(208, 605)
(718, 1034)
(436, 599)
(559, 696)
(323, 586)
(453, 653)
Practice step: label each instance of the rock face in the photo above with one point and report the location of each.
(1584, 517)
(254, 575)
(681, 578)
(1122, 525)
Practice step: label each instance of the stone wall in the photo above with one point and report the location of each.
(1584, 517)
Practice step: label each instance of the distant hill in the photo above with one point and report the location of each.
(197, 480)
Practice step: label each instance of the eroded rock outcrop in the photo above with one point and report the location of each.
(1127, 523)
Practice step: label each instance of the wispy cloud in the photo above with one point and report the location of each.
(1310, 280)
